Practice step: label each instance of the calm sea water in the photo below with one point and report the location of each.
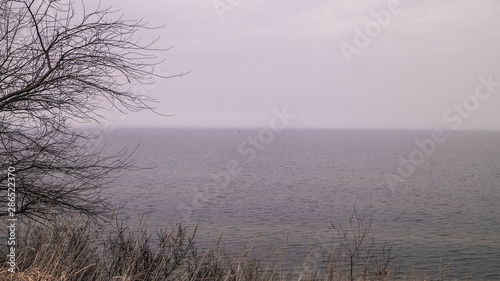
(301, 181)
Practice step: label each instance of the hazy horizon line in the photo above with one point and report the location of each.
(287, 129)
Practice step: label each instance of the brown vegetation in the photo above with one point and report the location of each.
(78, 251)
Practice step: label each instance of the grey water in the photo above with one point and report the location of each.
(289, 187)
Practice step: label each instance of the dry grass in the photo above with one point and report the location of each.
(76, 251)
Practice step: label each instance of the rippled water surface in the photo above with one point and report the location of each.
(301, 181)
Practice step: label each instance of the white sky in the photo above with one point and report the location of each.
(274, 54)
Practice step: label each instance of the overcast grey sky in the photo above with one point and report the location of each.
(334, 64)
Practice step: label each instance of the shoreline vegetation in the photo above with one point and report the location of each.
(76, 250)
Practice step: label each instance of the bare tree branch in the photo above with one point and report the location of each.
(58, 67)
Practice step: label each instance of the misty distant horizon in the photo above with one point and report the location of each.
(134, 127)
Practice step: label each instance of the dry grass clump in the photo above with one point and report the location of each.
(77, 251)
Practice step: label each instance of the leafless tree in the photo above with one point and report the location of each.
(59, 67)
(357, 250)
